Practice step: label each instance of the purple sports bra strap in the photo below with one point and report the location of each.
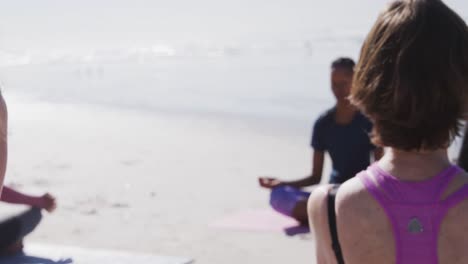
(457, 197)
(448, 176)
(372, 187)
(381, 198)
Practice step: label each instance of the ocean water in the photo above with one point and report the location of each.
(251, 58)
(266, 85)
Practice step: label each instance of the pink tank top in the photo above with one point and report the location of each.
(415, 210)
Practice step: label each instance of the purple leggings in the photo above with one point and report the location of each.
(285, 198)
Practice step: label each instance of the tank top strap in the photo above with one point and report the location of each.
(371, 186)
(447, 176)
(393, 187)
(388, 185)
(456, 197)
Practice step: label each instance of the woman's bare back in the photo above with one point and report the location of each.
(366, 235)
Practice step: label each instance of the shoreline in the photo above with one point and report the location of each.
(152, 183)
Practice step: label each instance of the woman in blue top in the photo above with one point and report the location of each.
(342, 132)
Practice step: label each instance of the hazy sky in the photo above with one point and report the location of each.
(100, 24)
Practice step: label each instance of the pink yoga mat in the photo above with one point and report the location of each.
(263, 220)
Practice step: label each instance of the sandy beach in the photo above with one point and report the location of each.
(154, 182)
(151, 120)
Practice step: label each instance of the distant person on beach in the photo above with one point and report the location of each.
(412, 205)
(14, 229)
(343, 133)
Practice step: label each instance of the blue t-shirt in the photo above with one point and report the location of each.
(348, 145)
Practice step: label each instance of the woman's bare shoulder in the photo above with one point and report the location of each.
(351, 196)
(364, 230)
(317, 207)
(355, 206)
